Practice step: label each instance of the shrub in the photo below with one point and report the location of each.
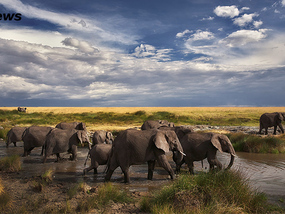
(223, 192)
(10, 164)
(106, 193)
(257, 144)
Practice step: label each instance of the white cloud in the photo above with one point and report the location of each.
(182, 34)
(257, 24)
(202, 35)
(243, 37)
(283, 3)
(245, 19)
(226, 11)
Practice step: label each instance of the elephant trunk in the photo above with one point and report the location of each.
(231, 162)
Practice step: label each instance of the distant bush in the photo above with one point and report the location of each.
(257, 144)
(10, 164)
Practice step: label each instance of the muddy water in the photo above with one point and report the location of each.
(265, 172)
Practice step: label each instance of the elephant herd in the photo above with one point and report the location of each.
(149, 144)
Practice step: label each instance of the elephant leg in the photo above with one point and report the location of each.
(14, 144)
(93, 166)
(162, 160)
(151, 165)
(43, 148)
(266, 131)
(58, 158)
(260, 129)
(74, 153)
(126, 172)
(111, 169)
(275, 129)
(213, 163)
(281, 127)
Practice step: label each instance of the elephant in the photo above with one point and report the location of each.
(14, 135)
(154, 124)
(22, 109)
(102, 137)
(34, 136)
(198, 146)
(133, 147)
(64, 140)
(271, 119)
(74, 125)
(99, 154)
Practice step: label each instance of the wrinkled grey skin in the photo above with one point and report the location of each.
(14, 135)
(22, 109)
(154, 124)
(64, 140)
(102, 137)
(74, 125)
(34, 136)
(271, 119)
(133, 147)
(180, 131)
(99, 155)
(198, 146)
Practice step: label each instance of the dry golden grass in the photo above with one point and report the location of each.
(176, 110)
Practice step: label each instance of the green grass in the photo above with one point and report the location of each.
(12, 118)
(11, 163)
(257, 144)
(223, 192)
(106, 193)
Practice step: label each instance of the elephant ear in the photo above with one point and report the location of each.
(280, 117)
(161, 142)
(215, 140)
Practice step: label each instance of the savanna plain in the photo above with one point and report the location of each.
(221, 192)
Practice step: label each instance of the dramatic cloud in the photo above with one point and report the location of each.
(81, 45)
(226, 11)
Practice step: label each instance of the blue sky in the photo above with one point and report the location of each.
(143, 53)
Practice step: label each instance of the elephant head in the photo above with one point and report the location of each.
(168, 141)
(83, 138)
(223, 144)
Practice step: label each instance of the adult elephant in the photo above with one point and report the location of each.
(271, 119)
(64, 140)
(35, 136)
(154, 124)
(133, 147)
(99, 155)
(102, 136)
(198, 146)
(74, 125)
(14, 135)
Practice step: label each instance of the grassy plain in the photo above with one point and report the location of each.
(119, 118)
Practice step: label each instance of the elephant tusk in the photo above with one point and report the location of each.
(182, 153)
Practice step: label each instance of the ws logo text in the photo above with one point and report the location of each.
(10, 16)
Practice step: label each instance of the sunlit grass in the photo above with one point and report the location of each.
(11, 163)
(257, 144)
(223, 192)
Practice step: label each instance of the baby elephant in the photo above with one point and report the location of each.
(60, 140)
(99, 154)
